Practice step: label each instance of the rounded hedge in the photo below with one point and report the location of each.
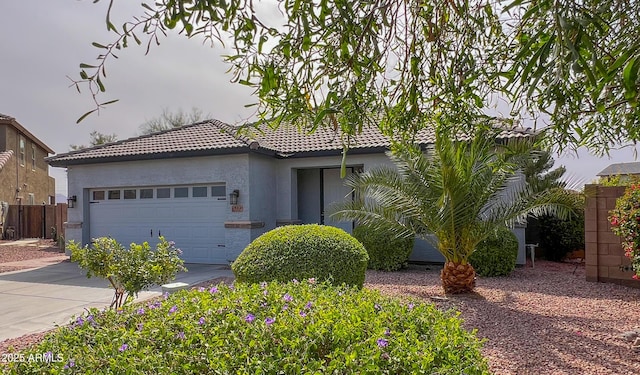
(303, 252)
(496, 255)
(386, 251)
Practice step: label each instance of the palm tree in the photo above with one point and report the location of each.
(453, 195)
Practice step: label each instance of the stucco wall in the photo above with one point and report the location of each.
(286, 170)
(604, 255)
(232, 169)
(262, 187)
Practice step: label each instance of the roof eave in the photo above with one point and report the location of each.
(333, 152)
(13, 122)
(54, 162)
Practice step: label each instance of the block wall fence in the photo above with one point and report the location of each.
(604, 255)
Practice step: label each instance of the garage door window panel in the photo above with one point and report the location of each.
(130, 194)
(146, 193)
(114, 194)
(199, 192)
(219, 191)
(162, 193)
(181, 192)
(98, 195)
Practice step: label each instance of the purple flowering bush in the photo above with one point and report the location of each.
(128, 270)
(268, 328)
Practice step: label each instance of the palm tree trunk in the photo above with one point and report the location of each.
(458, 278)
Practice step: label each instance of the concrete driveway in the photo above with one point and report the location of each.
(36, 300)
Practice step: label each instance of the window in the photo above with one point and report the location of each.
(98, 195)
(199, 191)
(146, 193)
(22, 151)
(33, 157)
(32, 199)
(114, 194)
(130, 194)
(181, 192)
(163, 193)
(218, 191)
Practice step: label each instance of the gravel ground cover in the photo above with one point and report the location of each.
(13, 253)
(542, 320)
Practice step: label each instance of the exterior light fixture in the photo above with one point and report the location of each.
(71, 201)
(233, 197)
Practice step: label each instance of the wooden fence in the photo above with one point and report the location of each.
(35, 221)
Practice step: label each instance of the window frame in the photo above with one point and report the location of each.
(22, 145)
(33, 157)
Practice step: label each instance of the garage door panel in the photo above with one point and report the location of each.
(196, 225)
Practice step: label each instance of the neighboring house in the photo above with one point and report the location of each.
(212, 191)
(24, 174)
(623, 171)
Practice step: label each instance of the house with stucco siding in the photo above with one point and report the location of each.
(24, 174)
(212, 189)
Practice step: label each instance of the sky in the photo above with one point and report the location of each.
(42, 43)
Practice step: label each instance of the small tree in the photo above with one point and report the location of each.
(557, 237)
(128, 270)
(96, 138)
(459, 191)
(168, 120)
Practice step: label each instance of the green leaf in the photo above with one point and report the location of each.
(109, 102)
(306, 42)
(100, 85)
(85, 115)
(630, 74)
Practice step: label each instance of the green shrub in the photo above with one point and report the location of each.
(302, 252)
(293, 328)
(496, 255)
(386, 251)
(128, 270)
(560, 237)
(619, 180)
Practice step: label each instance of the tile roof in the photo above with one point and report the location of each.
(11, 121)
(5, 156)
(288, 139)
(215, 137)
(199, 137)
(620, 169)
(5, 117)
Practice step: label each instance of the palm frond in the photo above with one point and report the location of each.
(457, 191)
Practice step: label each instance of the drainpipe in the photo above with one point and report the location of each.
(17, 164)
